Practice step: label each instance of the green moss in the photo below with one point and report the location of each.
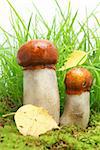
(72, 138)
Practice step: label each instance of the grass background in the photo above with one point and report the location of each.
(63, 35)
(66, 38)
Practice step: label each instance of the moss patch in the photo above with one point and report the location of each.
(72, 138)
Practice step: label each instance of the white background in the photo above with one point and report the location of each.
(46, 7)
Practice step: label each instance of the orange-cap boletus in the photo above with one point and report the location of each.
(78, 82)
(38, 59)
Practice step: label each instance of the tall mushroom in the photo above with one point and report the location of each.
(77, 107)
(38, 58)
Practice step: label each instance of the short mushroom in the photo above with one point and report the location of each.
(38, 58)
(77, 107)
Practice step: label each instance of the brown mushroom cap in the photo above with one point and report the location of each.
(37, 52)
(78, 80)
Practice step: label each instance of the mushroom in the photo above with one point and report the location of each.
(77, 107)
(38, 58)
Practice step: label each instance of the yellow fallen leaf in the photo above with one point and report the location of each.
(34, 121)
(78, 57)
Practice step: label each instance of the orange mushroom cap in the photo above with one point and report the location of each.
(78, 80)
(37, 53)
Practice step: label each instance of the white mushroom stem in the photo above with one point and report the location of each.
(41, 89)
(77, 110)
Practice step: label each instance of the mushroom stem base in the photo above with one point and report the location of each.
(76, 110)
(41, 89)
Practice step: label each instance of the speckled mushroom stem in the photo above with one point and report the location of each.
(77, 106)
(38, 58)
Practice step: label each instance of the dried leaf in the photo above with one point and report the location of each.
(78, 57)
(34, 121)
